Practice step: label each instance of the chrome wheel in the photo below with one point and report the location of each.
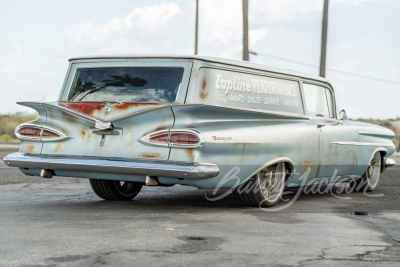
(272, 182)
(265, 188)
(373, 171)
(370, 178)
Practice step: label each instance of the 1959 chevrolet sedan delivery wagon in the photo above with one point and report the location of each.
(128, 121)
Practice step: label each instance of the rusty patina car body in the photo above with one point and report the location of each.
(241, 122)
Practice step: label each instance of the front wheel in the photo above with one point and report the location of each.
(265, 189)
(115, 190)
(370, 178)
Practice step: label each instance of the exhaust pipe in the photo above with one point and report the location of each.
(151, 180)
(46, 173)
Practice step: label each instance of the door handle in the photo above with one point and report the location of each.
(320, 125)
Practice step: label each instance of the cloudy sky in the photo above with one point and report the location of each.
(38, 36)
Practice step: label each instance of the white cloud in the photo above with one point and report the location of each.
(148, 19)
(256, 35)
(221, 28)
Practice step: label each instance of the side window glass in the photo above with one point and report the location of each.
(316, 101)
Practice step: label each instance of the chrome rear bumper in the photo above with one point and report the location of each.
(186, 170)
(389, 162)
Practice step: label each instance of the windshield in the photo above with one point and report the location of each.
(127, 84)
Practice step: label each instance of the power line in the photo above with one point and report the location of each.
(333, 70)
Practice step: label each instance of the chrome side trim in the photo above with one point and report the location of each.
(361, 144)
(185, 170)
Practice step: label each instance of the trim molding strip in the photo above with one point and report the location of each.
(361, 144)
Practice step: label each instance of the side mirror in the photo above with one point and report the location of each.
(342, 114)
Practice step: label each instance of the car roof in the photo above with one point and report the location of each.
(231, 62)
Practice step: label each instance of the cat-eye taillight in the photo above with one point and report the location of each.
(174, 138)
(33, 132)
(29, 132)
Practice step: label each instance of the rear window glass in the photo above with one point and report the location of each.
(234, 89)
(127, 84)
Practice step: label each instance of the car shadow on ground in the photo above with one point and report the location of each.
(188, 199)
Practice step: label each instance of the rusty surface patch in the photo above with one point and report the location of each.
(125, 106)
(83, 133)
(190, 153)
(94, 109)
(307, 162)
(160, 128)
(58, 147)
(88, 108)
(355, 158)
(130, 143)
(150, 156)
(203, 91)
(29, 148)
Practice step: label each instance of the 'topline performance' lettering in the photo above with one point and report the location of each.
(256, 86)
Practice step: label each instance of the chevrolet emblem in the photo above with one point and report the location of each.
(104, 125)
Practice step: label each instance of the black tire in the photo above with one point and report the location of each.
(254, 193)
(114, 190)
(370, 179)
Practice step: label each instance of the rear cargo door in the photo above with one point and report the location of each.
(130, 122)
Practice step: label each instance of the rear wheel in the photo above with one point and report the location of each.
(265, 189)
(370, 178)
(115, 190)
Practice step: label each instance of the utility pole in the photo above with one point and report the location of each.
(245, 30)
(196, 38)
(322, 64)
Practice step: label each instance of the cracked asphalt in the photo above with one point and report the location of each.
(61, 222)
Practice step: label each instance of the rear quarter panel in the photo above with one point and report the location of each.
(247, 140)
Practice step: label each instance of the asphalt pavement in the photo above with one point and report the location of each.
(61, 222)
